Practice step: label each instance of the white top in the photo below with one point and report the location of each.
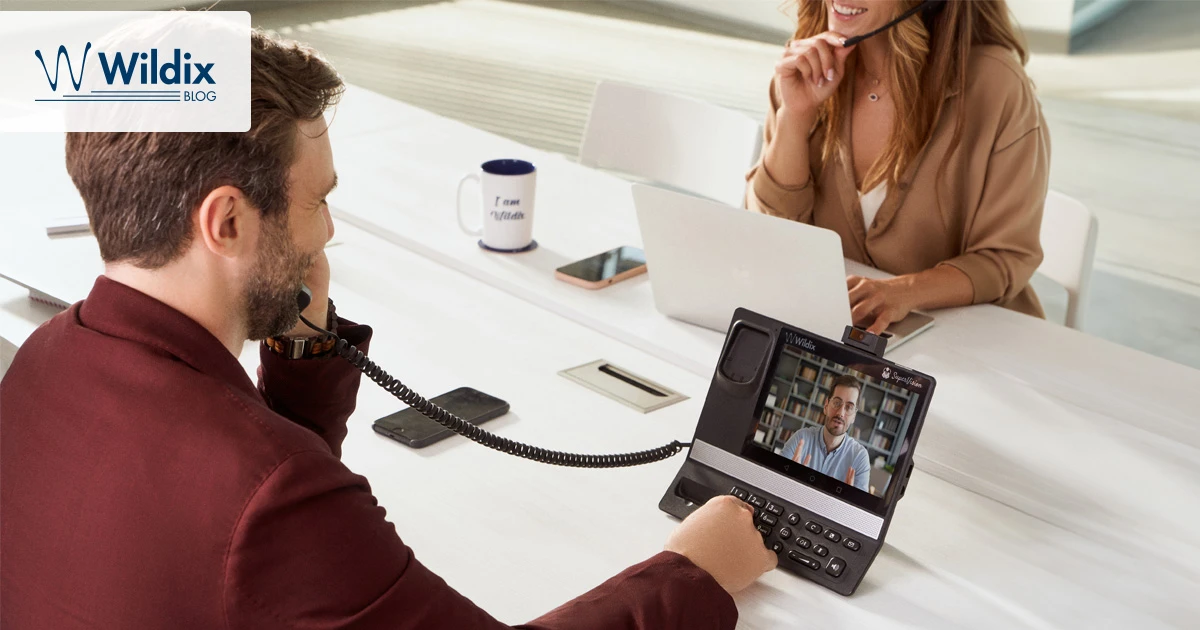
(870, 202)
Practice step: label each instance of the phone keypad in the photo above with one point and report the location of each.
(818, 556)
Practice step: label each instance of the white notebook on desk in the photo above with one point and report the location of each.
(56, 270)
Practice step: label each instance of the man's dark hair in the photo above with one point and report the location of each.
(846, 380)
(141, 189)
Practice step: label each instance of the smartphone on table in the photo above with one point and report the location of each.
(411, 428)
(604, 269)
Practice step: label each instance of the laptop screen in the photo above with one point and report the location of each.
(837, 423)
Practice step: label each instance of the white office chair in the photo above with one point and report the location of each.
(1069, 247)
(680, 142)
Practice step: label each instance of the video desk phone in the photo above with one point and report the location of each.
(818, 500)
(816, 435)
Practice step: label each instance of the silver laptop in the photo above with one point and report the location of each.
(705, 259)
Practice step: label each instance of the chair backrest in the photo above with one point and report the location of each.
(1069, 247)
(671, 140)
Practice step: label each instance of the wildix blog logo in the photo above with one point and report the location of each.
(133, 71)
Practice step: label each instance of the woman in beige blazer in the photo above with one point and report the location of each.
(923, 147)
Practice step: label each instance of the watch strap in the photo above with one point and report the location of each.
(307, 347)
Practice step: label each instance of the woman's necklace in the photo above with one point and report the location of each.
(873, 92)
(872, 95)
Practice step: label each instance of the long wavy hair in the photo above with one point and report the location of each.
(928, 61)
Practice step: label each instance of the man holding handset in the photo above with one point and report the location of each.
(182, 494)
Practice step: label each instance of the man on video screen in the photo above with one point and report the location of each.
(828, 449)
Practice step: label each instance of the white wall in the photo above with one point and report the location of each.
(1050, 16)
(1047, 16)
(767, 14)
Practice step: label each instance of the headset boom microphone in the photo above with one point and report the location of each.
(926, 5)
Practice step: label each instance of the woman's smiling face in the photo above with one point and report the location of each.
(858, 17)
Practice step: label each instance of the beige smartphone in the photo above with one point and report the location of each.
(912, 325)
(604, 269)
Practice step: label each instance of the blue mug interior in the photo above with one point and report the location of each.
(508, 167)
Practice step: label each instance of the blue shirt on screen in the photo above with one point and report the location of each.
(836, 463)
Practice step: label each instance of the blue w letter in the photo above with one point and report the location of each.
(62, 52)
(118, 66)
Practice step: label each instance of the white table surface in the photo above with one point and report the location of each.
(519, 537)
(952, 556)
(1057, 480)
(1020, 400)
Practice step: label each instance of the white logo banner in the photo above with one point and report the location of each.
(124, 71)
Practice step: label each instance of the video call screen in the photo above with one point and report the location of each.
(849, 425)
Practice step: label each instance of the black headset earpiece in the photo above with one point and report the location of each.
(929, 6)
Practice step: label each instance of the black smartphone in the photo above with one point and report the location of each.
(411, 428)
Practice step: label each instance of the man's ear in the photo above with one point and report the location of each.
(227, 224)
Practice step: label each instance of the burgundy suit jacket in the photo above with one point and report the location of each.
(146, 482)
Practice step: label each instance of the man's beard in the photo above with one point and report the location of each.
(270, 294)
(844, 427)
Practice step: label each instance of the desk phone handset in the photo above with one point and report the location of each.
(377, 374)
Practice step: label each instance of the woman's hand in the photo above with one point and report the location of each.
(877, 303)
(810, 71)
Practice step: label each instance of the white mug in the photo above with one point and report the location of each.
(506, 192)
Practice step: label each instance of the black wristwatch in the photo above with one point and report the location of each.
(307, 347)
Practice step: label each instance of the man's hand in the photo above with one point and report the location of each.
(317, 311)
(799, 449)
(720, 538)
(877, 303)
(850, 476)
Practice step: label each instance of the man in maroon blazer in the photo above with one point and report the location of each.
(146, 482)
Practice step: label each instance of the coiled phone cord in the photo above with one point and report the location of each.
(371, 370)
